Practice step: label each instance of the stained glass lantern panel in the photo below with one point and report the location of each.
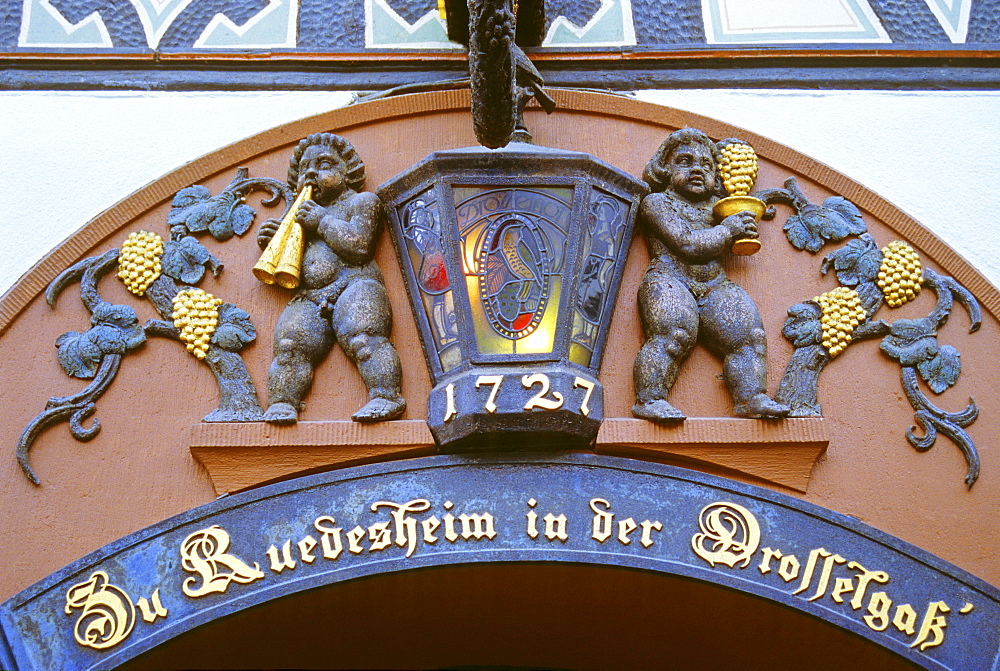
(603, 241)
(513, 248)
(425, 251)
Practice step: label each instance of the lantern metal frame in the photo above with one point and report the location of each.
(464, 412)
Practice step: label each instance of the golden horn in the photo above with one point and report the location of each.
(281, 260)
(290, 262)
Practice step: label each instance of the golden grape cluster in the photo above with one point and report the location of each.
(900, 275)
(196, 314)
(738, 168)
(139, 260)
(842, 312)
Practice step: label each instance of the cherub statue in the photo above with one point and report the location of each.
(685, 295)
(341, 295)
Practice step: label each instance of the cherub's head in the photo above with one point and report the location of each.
(686, 164)
(328, 163)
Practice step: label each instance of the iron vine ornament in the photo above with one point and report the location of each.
(821, 328)
(342, 297)
(164, 272)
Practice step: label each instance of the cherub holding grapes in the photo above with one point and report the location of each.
(685, 295)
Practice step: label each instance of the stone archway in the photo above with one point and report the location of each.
(596, 528)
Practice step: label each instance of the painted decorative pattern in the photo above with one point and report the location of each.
(310, 25)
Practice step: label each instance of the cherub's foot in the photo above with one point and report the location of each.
(249, 414)
(658, 411)
(807, 410)
(379, 409)
(760, 406)
(281, 413)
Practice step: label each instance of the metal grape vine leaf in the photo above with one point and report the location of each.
(224, 215)
(163, 272)
(869, 276)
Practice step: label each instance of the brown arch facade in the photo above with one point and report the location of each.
(140, 469)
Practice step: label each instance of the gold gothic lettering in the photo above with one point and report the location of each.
(588, 387)
(402, 529)
(306, 547)
(204, 553)
(532, 520)
(477, 526)
(380, 536)
(330, 540)
(494, 382)
(555, 527)
(729, 535)
(601, 527)
(449, 409)
(933, 625)
(829, 559)
(406, 526)
(107, 614)
(152, 608)
(285, 561)
(539, 400)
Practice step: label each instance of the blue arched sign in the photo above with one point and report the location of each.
(251, 548)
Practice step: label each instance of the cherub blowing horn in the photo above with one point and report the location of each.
(342, 297)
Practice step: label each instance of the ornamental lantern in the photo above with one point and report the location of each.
(512, 260)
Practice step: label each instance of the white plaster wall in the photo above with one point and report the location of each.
(935, 155)
(66, 157)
